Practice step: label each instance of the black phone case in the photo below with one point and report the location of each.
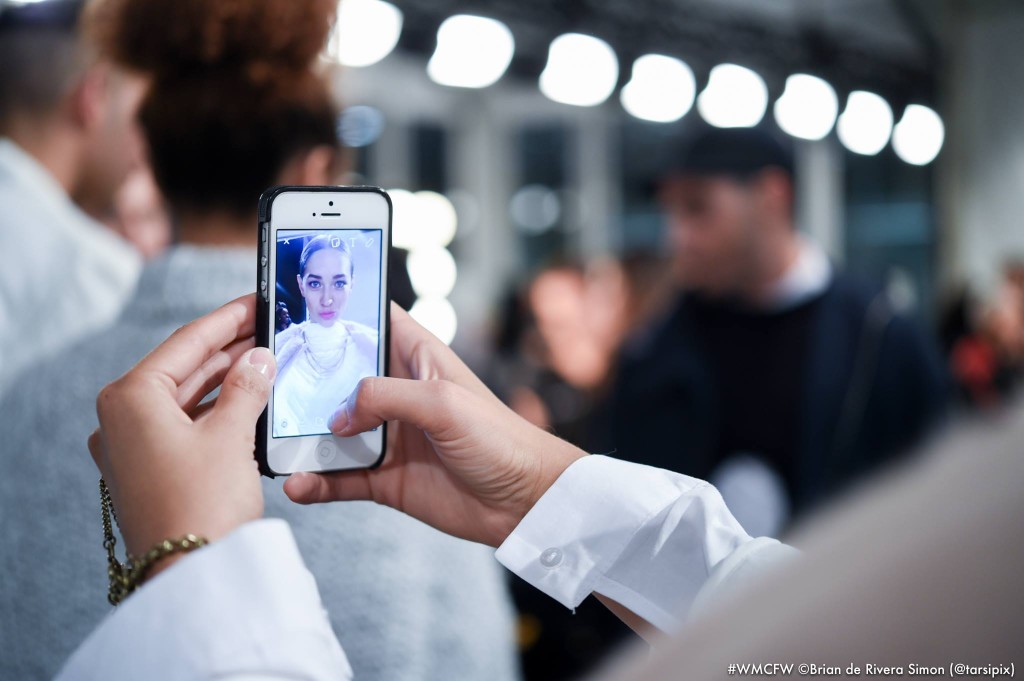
(263, 312)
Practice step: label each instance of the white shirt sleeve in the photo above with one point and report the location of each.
(657, 542)
(242, 608)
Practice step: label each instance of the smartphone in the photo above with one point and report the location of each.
(322, 286)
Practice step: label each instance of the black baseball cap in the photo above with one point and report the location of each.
(733, 152)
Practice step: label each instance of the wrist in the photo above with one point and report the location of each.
(159, 566)
(554, 457)
(552, 465)
(142, 539)
(125, 578)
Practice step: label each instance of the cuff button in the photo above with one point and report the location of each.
(551, 558)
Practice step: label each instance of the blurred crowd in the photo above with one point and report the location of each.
(739, 353)
(983, 336)
(570, 330)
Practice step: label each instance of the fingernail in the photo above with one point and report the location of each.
(263, 362)
(339, 422)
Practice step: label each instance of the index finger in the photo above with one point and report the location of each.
(422, 356)
(189, 347)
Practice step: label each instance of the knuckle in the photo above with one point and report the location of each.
(181, 331)
(447, 395)
(448, 399)
(109, 397)
(94, 442)
(96, 446)
(105, 396)
(250, 383)
(187, 327)
(366, 394)
(190, 334)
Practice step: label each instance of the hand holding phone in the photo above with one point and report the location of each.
(324, 313)
(458, 459)
(176, 464)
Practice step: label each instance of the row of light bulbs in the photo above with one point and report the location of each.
(475, 52)
(424, 223)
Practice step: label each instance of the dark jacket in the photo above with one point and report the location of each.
(871, 386)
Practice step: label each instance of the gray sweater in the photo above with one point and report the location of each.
(406, 601)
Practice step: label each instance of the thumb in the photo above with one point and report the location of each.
(313, 488)
(431, 406)
(246, 387)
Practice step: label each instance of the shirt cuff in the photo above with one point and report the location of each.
(581, 525)
(645, 537)
(746, 565)
(245, 604)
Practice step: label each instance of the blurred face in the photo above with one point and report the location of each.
(1004, 322)
(326, 284)
(115, 142)
(141, 216)
(712, 233)
(558, 301)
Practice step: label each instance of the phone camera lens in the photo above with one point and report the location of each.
(330, 203)
(314, 214)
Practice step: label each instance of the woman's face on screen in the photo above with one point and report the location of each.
(325, 285)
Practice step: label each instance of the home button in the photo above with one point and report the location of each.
(326, 451)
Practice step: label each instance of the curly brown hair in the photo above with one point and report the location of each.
(233, 94)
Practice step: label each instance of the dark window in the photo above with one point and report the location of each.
(890, 224)
(543, 152)
(430, 157)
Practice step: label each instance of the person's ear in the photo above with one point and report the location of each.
(302, 287)
(775, 192)
(314, 167)
(89, 100)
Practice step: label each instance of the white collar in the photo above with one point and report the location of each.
(806, 278)
(30, 175)
(42, 199)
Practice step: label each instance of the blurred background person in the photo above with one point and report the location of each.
(774, 375)
(560, 333)
(68, 139)
(987, 360)
(140, 214)
(556, 351)
(551, 364)
(633, 291)
(233, 108)
(554, 360)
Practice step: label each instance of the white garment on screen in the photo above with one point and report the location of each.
(62, 274)
(245, 607)
(317, 368)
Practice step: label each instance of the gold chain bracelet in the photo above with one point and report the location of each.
(127, 577)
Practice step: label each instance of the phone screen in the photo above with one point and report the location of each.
(326, 321)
